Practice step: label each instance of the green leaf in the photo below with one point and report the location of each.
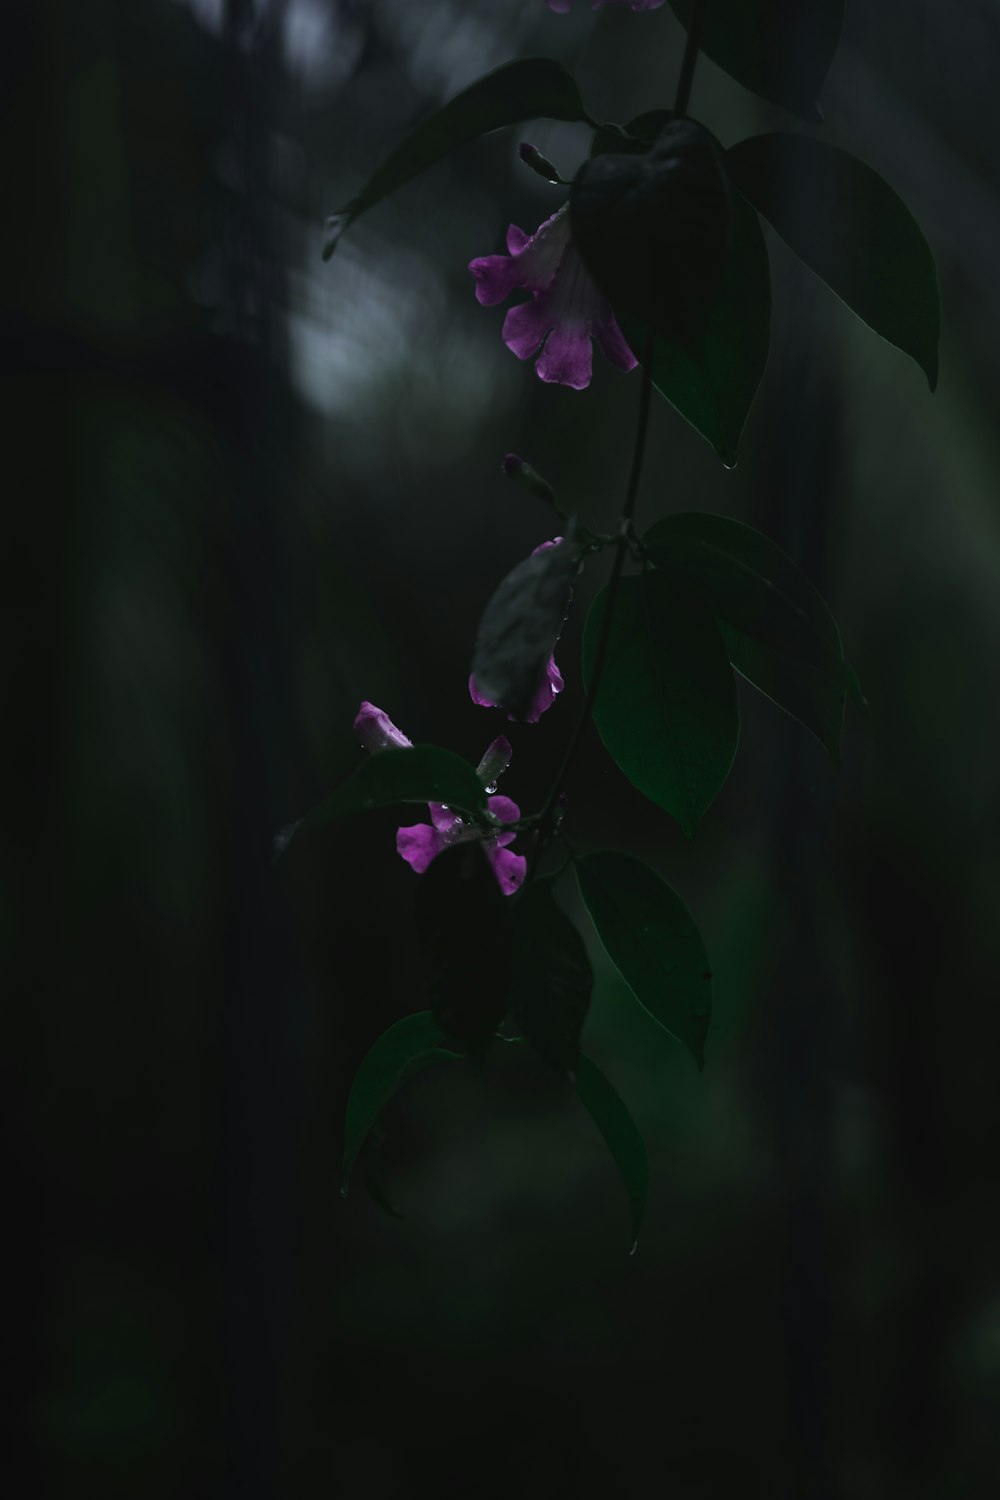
(552, 979)
(371, 1161)
(621, 1136)
(531, 89)
(423, 773)
(781, 49)
(714, 388)
(652, 941)
(520, 626)
(745, 579)
(812, 694)
(655, 228)
(848, 226)
(466, 936)
(378, 1077)
(666, 705)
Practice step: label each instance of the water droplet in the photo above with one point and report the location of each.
(491, 789)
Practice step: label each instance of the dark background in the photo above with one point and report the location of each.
(246, 490)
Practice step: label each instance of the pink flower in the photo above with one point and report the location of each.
(420, 843)
(567, 307)
(551, 684)
(563, 6)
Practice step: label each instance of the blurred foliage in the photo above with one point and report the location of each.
(247, 490)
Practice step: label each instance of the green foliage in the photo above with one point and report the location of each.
(552, 982)
(654, 228)
(414, 1040)
(534, 88)
(620, 1133)
(653, 942)
(781, 49)
(666, 704)
(520, 626)
(466, 937)
(713, 383)
(423, 773)
(846, 223)
(812, 694)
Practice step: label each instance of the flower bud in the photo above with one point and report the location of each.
(516, 468)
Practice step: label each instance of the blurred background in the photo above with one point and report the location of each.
(248, 490)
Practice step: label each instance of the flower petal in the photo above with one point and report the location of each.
(496, 277)
(526, 325)
(509, 869)
(376, 731)
(419, 844)
(612, 342)
(444, 820)
(567, 358)
(549, 689)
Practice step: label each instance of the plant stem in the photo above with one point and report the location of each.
(621, 550)
(690, 58)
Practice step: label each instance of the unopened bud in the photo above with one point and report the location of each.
(533, 158)
(516, 468)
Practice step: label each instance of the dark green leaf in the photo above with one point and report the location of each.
(654, 228)
(533, 88)
(621, 1136)
(520, 626)
(466, 937)
(714, 388)
(552, 977)
(745, 579)
(666, 705)
(371, 1161)
(849, 227)
(423, 773)
(781, 49)
(652, 941)
(812, 694)
(379, 1076)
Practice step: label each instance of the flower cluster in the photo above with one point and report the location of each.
(420, 843)
(567, 307)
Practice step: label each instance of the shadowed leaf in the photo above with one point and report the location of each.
(653, 942)
(531, 89)
(423, 773)
(621, 1136)
(852, 229)
(552, 979)
(666, 706)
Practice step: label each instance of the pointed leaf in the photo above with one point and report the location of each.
(371, 1161)
(520, 626)
(744, 578)
(531, 89)
(552, 977)
(423, 773)
(852, 229)
(781, 49)
(466, 937)
(652, 941)
(655, 227)
(714, 389)
(666, 705)
(811, 693)
(621, 1136)
(379, 1076)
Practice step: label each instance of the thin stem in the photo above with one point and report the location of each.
(683, 98)
(545, 817)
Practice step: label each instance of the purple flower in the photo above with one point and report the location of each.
(562, 7)
(420, 843)
(566, 309)
(551, 684)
